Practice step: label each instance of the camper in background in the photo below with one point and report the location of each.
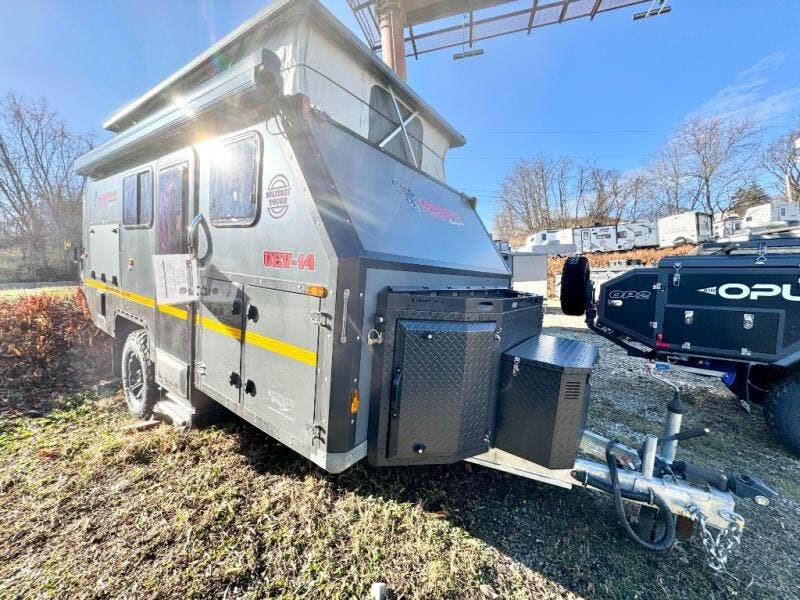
(727, 224)
(548, 236)
(689, 227)
(637, 235)
(771, 212)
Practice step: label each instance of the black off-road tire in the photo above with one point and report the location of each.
(759, 378)
(138, 375)
(574, 285)
(782, 411)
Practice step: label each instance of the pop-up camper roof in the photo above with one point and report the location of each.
(321, 59)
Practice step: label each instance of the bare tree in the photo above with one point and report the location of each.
(40, 195)
(719, 159)
(669, 179)
(780, 160)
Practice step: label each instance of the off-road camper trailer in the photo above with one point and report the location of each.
(270, 231)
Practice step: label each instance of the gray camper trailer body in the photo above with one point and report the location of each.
(349, 302)
(337, 213)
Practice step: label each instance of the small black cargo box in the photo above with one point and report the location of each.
(544, 399)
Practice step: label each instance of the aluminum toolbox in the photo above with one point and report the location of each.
(435, 374)
(544, 400)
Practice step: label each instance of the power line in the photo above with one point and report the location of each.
(524, 158)
(565, 131)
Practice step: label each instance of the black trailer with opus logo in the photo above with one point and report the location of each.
(730, 310)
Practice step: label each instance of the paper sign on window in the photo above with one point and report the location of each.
(176, 278)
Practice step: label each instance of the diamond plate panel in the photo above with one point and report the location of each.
(544, 400)
(442, 404)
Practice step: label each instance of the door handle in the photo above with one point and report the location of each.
(394, 394)
(250, 387)
(236, 307)
(252, 313)
(200, 221)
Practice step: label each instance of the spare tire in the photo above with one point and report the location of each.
(574, 285)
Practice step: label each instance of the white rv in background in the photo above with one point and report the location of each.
(602, 238)
(727, 224)
(637, 235)
(689, 227)
(613, 238)
(771, 212)
(549, 236)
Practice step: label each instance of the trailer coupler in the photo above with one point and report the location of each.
(672, 497)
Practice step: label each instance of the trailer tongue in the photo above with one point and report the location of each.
(350, 304)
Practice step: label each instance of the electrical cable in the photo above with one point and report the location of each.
(667, 539)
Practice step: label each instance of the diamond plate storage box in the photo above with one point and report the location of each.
(544, 399)
(435, 374)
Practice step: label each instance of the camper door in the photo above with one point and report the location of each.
(174, 209)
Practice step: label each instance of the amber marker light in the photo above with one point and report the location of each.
(355, 402)
(316, 290)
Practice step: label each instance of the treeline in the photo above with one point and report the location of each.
(40, 194)
(713, 165)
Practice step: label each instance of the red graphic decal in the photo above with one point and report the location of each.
(288, 260)
(106, 198)
(439, 212)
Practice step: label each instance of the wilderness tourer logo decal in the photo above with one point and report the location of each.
(423, 206)
(740, 291)
(277, 196)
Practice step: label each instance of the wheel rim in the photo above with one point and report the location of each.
(134, 380)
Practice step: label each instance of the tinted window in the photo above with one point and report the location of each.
(137, 199)
(383, 121)
(129, 201)
(622, 234)
(234, 183)
(171, 223)
(145, 181)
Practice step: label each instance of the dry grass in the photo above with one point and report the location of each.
(91, 510)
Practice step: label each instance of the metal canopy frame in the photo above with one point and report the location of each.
(467, 25)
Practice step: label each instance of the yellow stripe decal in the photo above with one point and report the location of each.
(149, 302)
(302, 355)
(228, 330)
(173, 312)
(278, 347)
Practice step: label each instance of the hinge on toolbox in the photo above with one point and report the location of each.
(515, 368)
(320, 318)
(762, 253)
(676, 277)
(200, 368)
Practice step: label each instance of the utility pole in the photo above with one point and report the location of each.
(789, 188)
(391, 21)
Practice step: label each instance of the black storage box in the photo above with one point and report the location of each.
(434, 383)
(544, 400)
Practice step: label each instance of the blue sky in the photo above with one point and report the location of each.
(609, 90)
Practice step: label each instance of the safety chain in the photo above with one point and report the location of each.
(719, 546)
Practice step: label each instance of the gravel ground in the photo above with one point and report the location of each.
(627, 403)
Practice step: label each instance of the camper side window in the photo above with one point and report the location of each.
(234, 183)
(385, 130)
(137, 199)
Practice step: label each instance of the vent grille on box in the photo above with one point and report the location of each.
(572, 391)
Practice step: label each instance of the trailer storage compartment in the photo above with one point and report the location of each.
(435, 374)
(544, 400)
